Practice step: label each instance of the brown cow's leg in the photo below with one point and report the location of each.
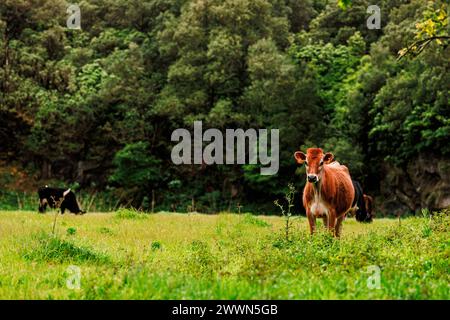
(338, 227)
(332, 221)
(312, 222)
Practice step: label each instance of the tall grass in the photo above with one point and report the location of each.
(225, 256)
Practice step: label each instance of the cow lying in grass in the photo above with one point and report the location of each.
(328, 192)
(58, 198)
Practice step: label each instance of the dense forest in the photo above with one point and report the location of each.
(94, 108)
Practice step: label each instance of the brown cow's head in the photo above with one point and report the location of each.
(314, 159)
(368, 201)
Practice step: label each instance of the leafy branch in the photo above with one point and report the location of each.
(434, 28)
(418, 46)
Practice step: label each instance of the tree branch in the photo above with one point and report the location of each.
(421, 44)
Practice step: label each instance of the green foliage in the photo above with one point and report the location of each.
(409, 123)
(71, 231)
(156, 245)
(252, 220)
(130, 214)
(135, 167)
(344, 4)
(435, 24)
(49, 248)
(96, 107)
(348, 154)
(11, 200)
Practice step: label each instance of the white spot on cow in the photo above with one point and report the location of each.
(319, 207)
(66, 192)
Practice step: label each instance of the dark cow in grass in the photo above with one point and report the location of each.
(58, 198)
(362, 204)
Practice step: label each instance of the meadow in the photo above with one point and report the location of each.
(131, 255)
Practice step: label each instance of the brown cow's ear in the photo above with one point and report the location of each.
(328, 158)
(300, 157)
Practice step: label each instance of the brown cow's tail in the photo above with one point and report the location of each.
(368, 201)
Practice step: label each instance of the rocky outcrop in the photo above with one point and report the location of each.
(422, 183)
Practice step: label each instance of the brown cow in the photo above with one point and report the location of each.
(368, 201)
(328, 192)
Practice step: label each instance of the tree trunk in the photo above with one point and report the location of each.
(46, 170)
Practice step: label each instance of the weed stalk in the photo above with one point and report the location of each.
(286, 212)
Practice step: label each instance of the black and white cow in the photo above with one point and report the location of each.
(58, 198)
(362, 204)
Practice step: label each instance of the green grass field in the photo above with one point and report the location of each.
(126, 255)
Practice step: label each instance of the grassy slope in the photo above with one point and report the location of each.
(174, 256)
